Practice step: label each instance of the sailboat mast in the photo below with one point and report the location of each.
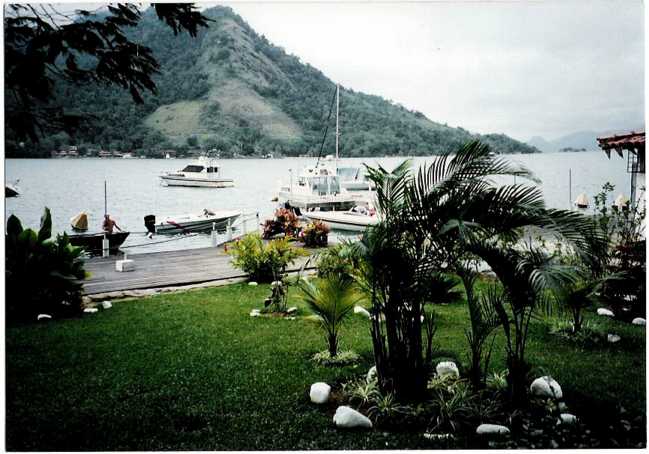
(337, 108)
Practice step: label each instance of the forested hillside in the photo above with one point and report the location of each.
(231, 89)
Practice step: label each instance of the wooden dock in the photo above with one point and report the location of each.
(164, 269)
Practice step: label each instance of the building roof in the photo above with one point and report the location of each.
(632, 141)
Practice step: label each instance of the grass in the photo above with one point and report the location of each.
(193, 371)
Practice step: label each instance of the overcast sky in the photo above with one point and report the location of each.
(523, 68)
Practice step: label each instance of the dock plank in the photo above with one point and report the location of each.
(162, 269)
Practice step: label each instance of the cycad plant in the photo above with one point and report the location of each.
(332, 299)
(43, 275)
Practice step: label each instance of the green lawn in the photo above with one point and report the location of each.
(194, 371)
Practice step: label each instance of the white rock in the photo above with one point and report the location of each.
(43, 317)
(546, 387)
(563, 408)
(605, 312)
(639, 321)
(319, 393)
(567, 419)
(361, 310)
(371, 374)
(90, 310)
(491, 429)
(106, 304)
(291, 310)
(613, 338)
(348, 418)
(252, 283)
(255, 313)
(447, 368)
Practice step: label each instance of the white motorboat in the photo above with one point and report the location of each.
(356, 220)
(203, 173)
(189, 223)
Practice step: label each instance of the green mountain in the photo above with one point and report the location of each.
(231, 89)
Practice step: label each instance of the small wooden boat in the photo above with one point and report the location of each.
(92, 242)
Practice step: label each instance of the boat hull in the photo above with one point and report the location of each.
(337, 220)
(92, 242)
(180, 225)
(310, 201)
(196, 182)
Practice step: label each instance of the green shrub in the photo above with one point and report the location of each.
(263, 262)
(42, 275)
(338, 260)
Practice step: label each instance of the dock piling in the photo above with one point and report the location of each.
(105, 246)
(215, 235)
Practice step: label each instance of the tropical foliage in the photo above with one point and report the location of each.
(263, 262)
(332, 299)
(42, 275)
(284, 222)
(434, 220)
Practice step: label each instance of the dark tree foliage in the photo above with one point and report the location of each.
(44, 47)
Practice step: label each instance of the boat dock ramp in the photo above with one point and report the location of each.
(165, 269)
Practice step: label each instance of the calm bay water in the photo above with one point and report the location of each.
(68, 186)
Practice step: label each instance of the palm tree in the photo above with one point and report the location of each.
(428, 221)
(332, 300)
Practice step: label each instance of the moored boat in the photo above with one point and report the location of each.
(190, 223)
(203, 173)
(92, 242)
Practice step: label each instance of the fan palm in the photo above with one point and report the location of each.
(332, 299)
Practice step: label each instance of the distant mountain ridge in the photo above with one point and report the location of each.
(577, 140)
(231, 89)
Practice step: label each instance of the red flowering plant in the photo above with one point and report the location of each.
(285, 222)
(315, 234)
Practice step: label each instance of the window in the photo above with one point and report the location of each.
(191, 168)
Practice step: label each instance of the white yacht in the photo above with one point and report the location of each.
(203, 173)
(326, 186)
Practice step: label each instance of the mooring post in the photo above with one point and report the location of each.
(215, 240)
(105, 246)
(229, 229)
(258, 223)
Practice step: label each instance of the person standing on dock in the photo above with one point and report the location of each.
(109, 224)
